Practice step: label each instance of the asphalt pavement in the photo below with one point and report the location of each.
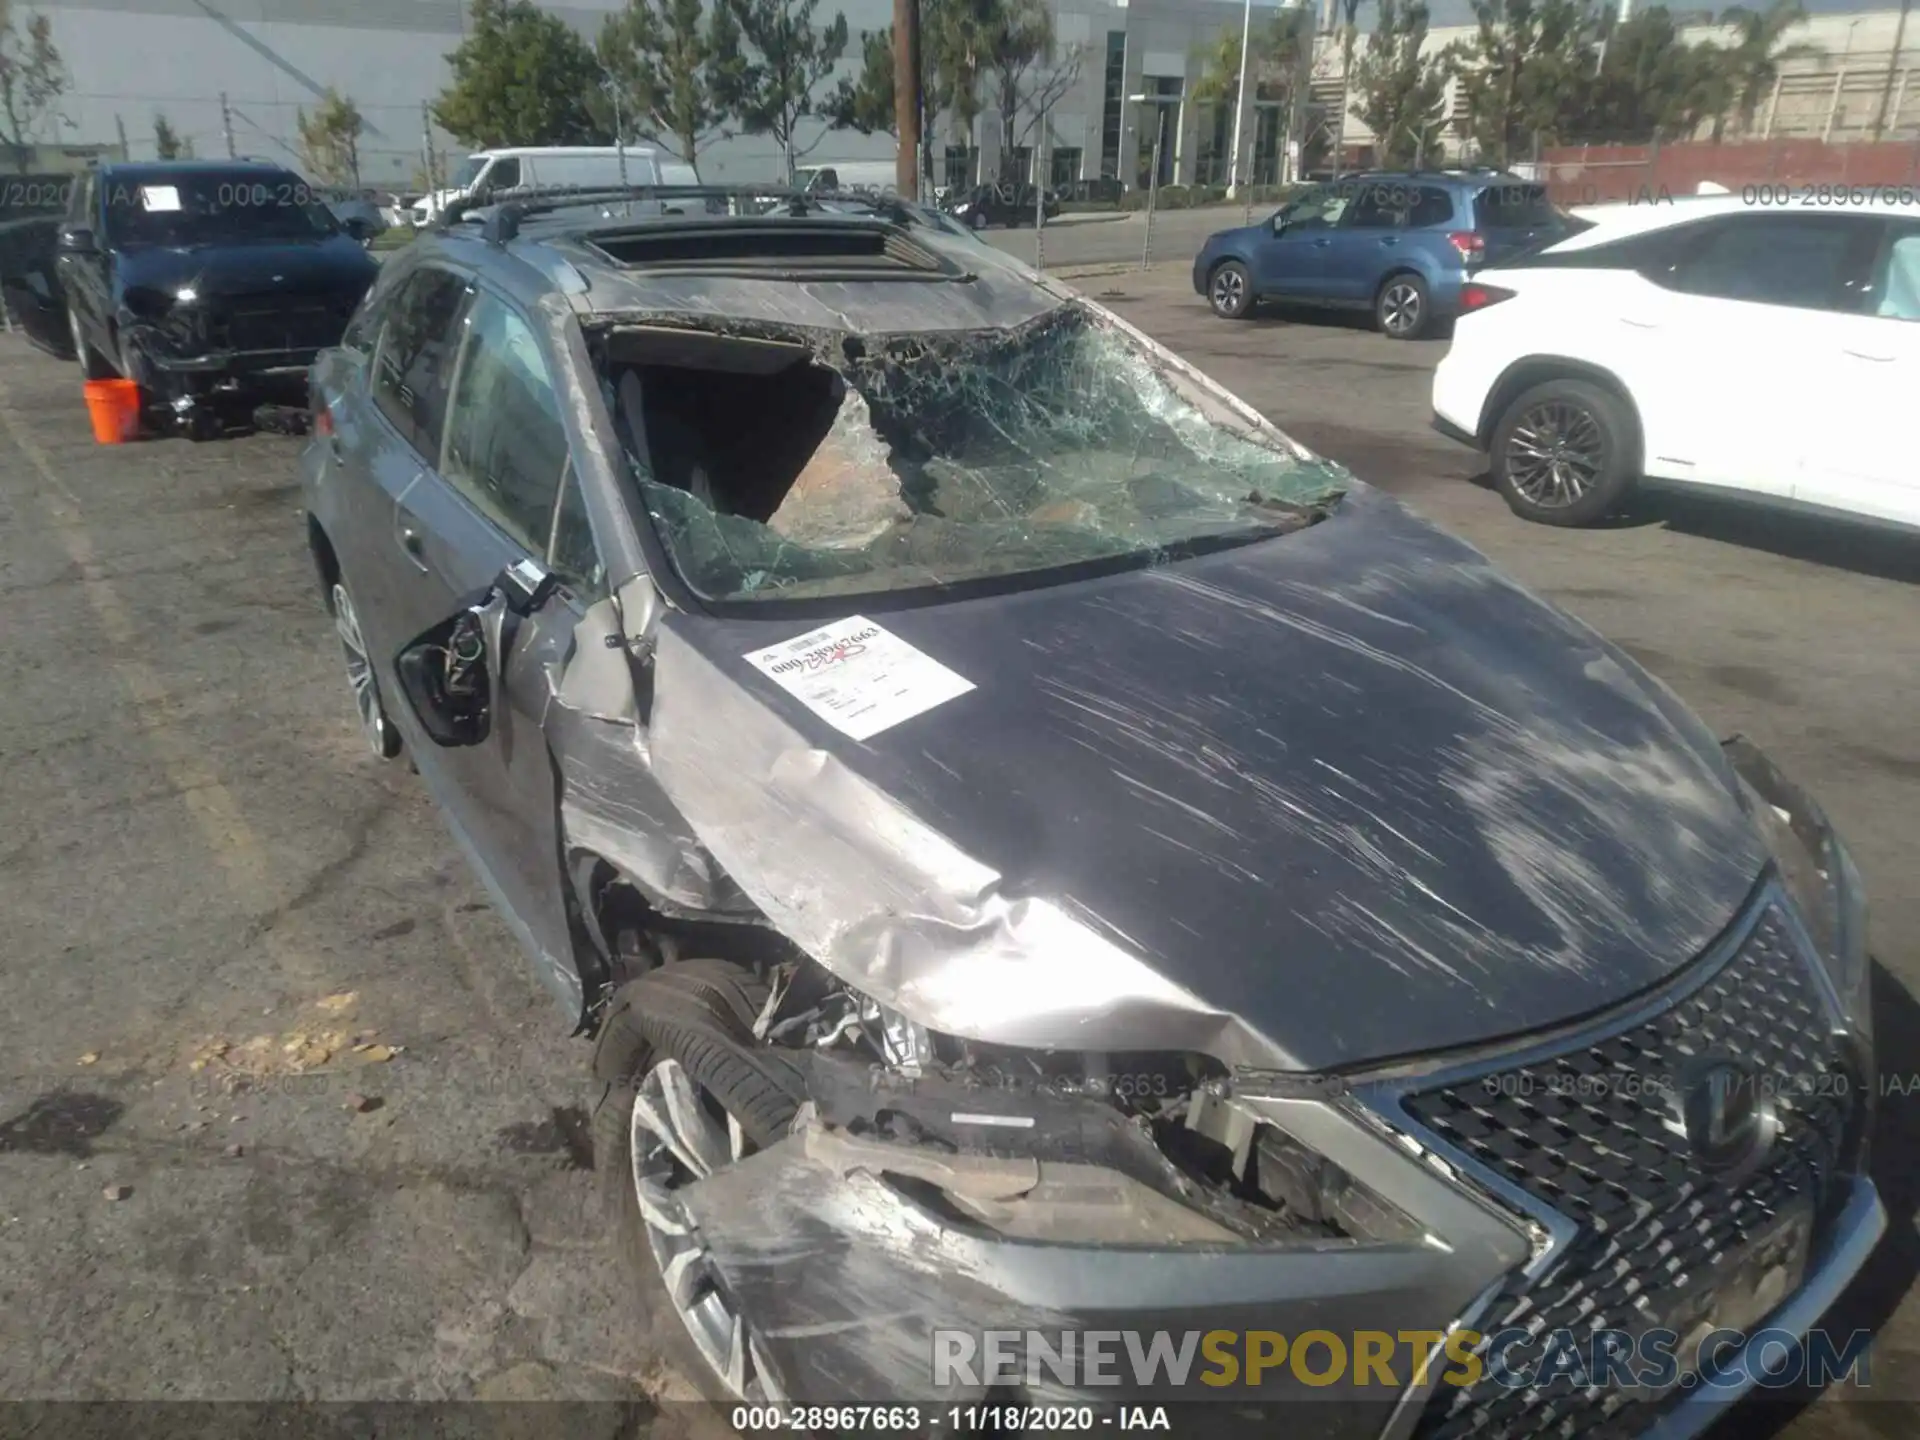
(204, 877)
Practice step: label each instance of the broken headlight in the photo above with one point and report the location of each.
(1818, 875)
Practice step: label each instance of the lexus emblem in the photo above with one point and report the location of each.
(1725, 1112)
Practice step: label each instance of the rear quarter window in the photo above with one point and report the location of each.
(1514, 207)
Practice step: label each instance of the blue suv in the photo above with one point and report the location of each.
(1398, 243)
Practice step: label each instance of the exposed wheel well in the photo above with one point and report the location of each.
(1523, 375)
(627, 935)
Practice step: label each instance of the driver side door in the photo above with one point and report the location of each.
(502, 493)
(1294, 260)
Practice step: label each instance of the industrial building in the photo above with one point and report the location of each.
(232, 75)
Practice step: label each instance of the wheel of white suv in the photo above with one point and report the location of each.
(1230, 290)
(93, 365)
(1402, 309)
(1563, 452)
(688, 1092)
(383, 738)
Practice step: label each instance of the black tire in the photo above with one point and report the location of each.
(978, 220)
(1403, 310)
(701, 1014)
(1565, 452)
(93, 365)
(1230, 290)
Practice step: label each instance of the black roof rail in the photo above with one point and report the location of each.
(508, 208)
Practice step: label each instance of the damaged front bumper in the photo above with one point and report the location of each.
(876, 1267)
(928, 1238)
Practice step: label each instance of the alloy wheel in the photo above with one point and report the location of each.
(374, 723)
(1229, 290)
(680, 1134)
(1401, 308)
(1555, 454)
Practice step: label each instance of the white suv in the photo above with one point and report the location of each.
(1716, 341)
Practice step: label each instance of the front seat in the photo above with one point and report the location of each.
(673, 451)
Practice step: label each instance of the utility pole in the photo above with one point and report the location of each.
(1240, 101)
(121, 126)
(426, 146)
(1893, 65)
(906, 97)
(226, 125)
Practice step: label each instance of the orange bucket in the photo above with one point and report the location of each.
(114, 406)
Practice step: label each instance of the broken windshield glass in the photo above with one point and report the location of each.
(900, 462)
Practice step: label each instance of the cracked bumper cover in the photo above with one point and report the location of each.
(850, 1252)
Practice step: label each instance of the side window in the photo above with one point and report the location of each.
(1376, 207)
(416, 353)
(506, 446)
(1896, 283)
(1317, 209)
(1804, 261)
(1431, 206)
(504, 173)
(573, 556)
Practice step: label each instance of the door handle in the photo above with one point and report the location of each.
(1389, 240)
(1877, 359)
(1321, 244)
(1638, 324)
(412, 540)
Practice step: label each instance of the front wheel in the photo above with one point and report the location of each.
(1402, 309)
(688, 1093)
(1230, 290)
(978, 220)
(1563, 453)
(382, 736)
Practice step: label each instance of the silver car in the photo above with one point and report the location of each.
(1040, 853)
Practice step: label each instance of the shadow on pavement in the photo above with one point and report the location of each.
(1862, 546)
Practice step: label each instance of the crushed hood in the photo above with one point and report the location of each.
(1330, 799)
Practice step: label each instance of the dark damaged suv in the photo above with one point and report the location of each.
(189, 276)
(1040, 851)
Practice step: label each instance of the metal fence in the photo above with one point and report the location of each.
(1598, 174)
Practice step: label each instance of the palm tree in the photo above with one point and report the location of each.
(1754, 58)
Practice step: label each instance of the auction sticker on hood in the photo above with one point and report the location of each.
(859, 678)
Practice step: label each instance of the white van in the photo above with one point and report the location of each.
(584, 167)
(849, 175)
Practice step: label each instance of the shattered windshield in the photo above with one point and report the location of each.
(851, 466)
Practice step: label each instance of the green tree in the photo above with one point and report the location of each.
(864, 101)
(664, 60)
(1652, 85)
(33, 77)
(522, 77)
(1526, 73)
(1030, 73)
(1752, 62)
(330, 140)
(773, 83)
(168, 143)
(1400, 94)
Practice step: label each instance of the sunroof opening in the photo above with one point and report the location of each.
(737, 246)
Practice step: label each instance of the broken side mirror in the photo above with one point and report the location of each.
(449, 673)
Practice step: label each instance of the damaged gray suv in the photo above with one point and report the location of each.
(1038, 851)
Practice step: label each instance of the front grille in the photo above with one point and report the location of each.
(284, 327)
(1588, 1135)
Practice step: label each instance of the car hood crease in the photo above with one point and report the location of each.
(1352, 788)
